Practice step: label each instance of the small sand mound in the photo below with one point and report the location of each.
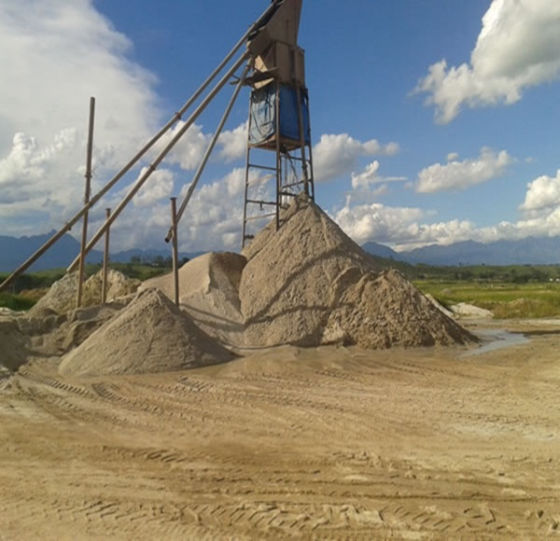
(61, 296)
(150, 335)
(118, 285)
(59, 299)
(208, 288)
(465, 310)
(13, 344)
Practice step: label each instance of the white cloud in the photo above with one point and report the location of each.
(234, 143)
(158, 186)
(518, 47)
(410, 227)
(366, 177)
(30, 174)
(337, 155)
(188, 151)
(452, 156)
(542, 193)
(399, 226)
(363, 181)
(456, 175)
(55, 55)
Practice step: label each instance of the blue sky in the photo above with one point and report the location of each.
(433, 121)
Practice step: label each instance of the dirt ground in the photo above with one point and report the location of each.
(327, 443)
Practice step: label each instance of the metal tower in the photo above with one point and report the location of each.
(279, 162)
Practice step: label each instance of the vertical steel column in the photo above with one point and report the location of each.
(105, 261)
(302, 140)
(87, 194)
(278, 157)
(310, 149)
(247, 162)
(174, 250)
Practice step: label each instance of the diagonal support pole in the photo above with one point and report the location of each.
(209, 150)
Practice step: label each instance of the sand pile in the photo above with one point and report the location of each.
(118, 285)
(307, 284)
(70, 329)
(13, 344)
(208, 287)
(150, 335)
(465, 310)
(61, 296)
(294, 277)
(380, 311)
(59, 299)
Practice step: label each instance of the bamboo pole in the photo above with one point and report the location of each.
(105, 261)
(209, 150)
(175, 118)
(89, 155)
(174, 249)
(140, 182)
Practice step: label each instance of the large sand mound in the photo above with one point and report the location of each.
(208, 287)
(150, 335)
(307, 284)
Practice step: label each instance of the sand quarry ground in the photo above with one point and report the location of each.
(318, 443)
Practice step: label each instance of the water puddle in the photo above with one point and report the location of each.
(493, 339)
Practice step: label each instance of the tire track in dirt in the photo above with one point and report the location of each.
(327, 451)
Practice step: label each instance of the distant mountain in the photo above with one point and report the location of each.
(528, 251)
(15, 250)
(380, 250)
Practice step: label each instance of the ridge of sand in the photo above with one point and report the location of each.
(150, 335)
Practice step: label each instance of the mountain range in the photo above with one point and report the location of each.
(15, 250)
(529, 251)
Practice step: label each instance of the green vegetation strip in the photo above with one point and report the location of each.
(504, 299)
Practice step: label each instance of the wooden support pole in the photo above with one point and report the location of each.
(149, 170)
(105, 261)
(174, 249)
(81, 271)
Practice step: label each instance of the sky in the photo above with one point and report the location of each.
(433, 121)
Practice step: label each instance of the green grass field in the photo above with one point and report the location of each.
(504, 299)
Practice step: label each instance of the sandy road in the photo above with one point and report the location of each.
(325, 443)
